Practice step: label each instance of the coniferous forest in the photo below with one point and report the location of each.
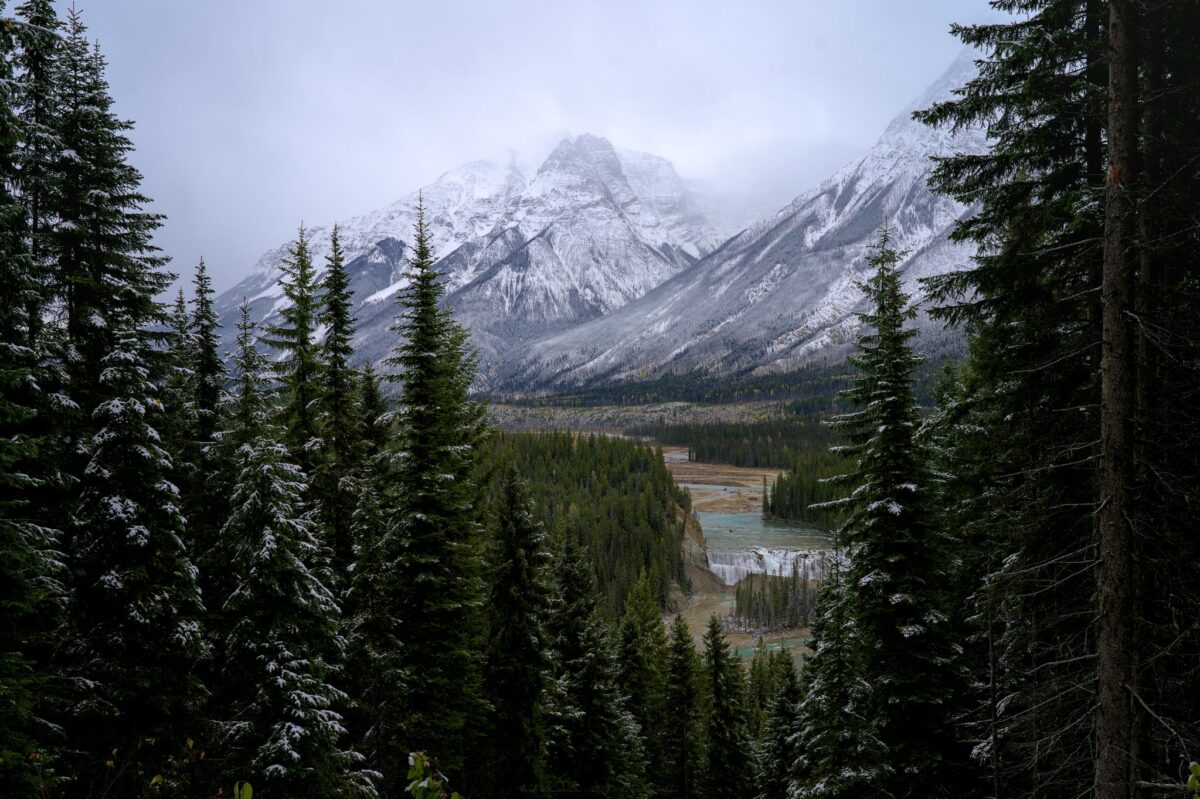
(279, 572)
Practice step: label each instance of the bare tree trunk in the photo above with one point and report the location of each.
(1146, 401)
(1115, 585)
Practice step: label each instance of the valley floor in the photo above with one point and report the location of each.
(719, 488)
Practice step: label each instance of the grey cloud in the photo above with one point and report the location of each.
(253, 116)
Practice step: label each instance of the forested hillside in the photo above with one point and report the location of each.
(614, 496)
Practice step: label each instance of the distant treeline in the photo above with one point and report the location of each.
(810, 391)
(800, 444)
(766, 444)
(776, 601)
(615, 496)
(814, 390)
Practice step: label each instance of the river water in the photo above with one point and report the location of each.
(740, 544)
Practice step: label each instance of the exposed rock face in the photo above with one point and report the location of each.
(783, 292)
(525, 254)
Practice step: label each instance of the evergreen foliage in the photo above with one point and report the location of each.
(204, 497)
(373, 409)
(801, 444)
(280, 720)
(778, 747)
(727, 762)
(132, 634)
(683, 741)
(776, 601)
(898, 561)
(338, 415)
(38, 105)
(516, 666)
(594, 748)
(378, 576)
(615, 496)
(1027, 481)
(28, 564)
(431, 591)
(208, 369)
(837, 745)
(108, 273)
(642, 654)
(295, 337)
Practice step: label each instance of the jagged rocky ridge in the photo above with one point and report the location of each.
(525, 254)
(781, 294)
(600, 266)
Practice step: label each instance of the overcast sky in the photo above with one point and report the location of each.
(252, 115)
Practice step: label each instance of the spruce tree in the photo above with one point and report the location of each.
(516, 666)
(374, 412)
(643, 655)
(28, 563)
(337, 413)
(295, 337)
(682, 749)
(898, 563)
(208, 368)
(108, 273)
(422, 624)
(1042, 312)
(133, 611)
(593, 740)
(779, 746)
(204, 496)
(727, 762)
(176, 392)
(838, 750)
(280, 715)
(38, 103)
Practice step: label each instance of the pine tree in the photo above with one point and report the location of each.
(208, 368)
(374, 411)
(779, 741)
(204, 497)
(38, 103)
(337, 413)
(516, 667)
(108, 272)
(28, 563)
(281, 720)
(422, 624)
(132, 636)
(682, 737)
(1041, 316)
(839, 753)
(898, 561)
(643, 655)
(295, 338)
(727, 763)
(594, 749)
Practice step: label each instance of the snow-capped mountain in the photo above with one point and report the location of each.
(524, 254)
(782, 293)
(463, 204)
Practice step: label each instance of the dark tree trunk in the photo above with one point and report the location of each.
(1115, 584)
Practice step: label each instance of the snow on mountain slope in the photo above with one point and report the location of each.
(783, 292)
(524, 255)
(462, 204)
(592, 231)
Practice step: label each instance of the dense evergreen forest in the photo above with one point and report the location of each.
(614, 496)
(770, 442)
(274, 576)
(804, 445)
